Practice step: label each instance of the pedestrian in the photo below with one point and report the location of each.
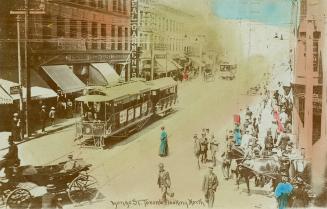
(163, 149)
(214, 144)
(237, 135)
(197, 148)
(164, 183)
(203, 148)
(52, 115)
(16, 128)
(69, 108)
(283, 192)
(43, 117)
(209, 187)
(50, 200)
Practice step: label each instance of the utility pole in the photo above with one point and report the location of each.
(20, 79)
(28, 73)
(152, 57)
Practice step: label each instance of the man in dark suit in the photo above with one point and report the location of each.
(164, 183)
(43, 117)
(209, 186)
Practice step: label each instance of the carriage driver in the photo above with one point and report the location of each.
(70, 164)
(11, 158)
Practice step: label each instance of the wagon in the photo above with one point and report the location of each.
(76, 183)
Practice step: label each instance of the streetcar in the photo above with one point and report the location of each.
(118, 111)
(227, 71)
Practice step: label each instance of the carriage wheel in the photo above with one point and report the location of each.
(19, 199)
(83, 188)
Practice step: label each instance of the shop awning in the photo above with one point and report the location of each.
(163, 83)
(36, 91)
(5, 98)
(162, 66)
(197, 61)
(107, 72)
(64, 78)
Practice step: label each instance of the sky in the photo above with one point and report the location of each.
(272, 12)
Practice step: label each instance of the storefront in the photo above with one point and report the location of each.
(39, 96)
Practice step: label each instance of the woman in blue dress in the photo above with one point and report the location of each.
(163, 150)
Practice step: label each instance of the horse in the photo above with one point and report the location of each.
(231, 159)
(262, 169)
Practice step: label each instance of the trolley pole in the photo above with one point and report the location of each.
(28, 73)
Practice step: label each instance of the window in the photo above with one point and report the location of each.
(94, 35)
(119, 5)
(60, 27)
(46, 27)
(100, 4)
(92, 3)
(126, 38)
(315, 55)
(103, 30)
(120, 34)
(84, 29)
(114, 5)
(73, 28)
(113, 31)
(103, 35)
(124, 6)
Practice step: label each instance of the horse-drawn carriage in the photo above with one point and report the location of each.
(269, 169)
(16, 190)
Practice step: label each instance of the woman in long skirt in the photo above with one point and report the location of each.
(163, 150)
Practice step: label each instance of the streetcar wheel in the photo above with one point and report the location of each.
(19, 199)
(83, 188)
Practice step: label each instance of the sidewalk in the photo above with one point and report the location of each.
(61, 124)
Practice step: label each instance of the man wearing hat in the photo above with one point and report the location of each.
(52, 115)
(213, 148)
(15, 127)
(164, 183)
(209, 186)
(50, 199)
(203, 148)
(43, 117)
(197, 148)
(283, 191)
(70, 164)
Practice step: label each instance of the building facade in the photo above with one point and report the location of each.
(74, 33)
(308, 76)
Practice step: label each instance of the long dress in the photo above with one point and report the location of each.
(163, 149)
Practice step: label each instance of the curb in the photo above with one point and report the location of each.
(38, 135)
